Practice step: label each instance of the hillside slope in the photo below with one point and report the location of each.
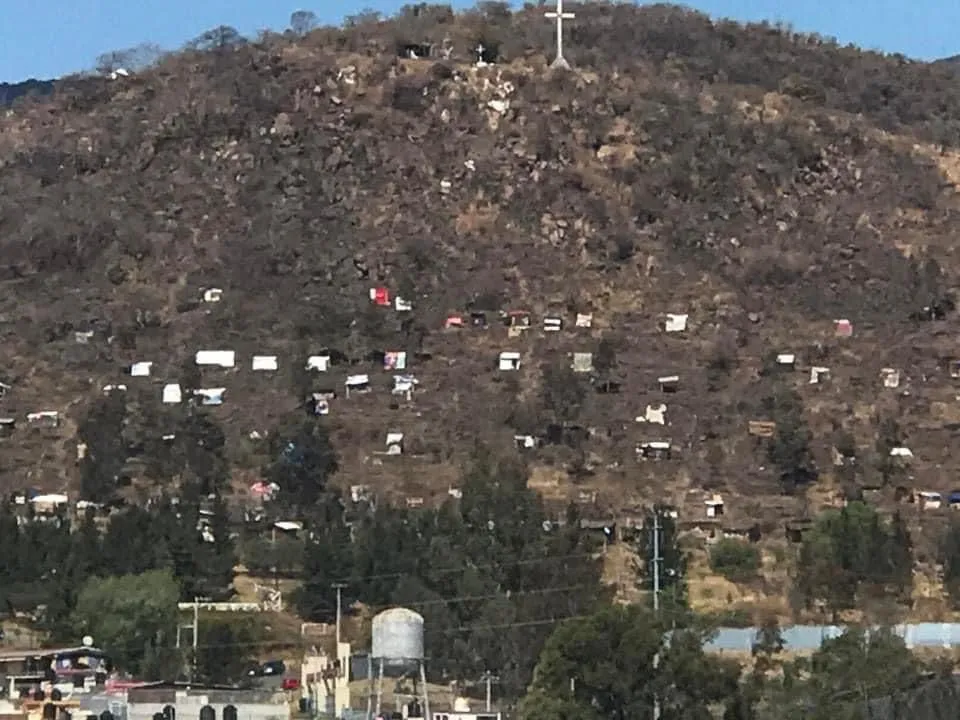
(763, 183)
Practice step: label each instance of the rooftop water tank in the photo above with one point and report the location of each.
(397, 639)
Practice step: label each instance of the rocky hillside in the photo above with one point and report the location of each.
(761, 183)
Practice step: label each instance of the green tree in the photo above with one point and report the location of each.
(605, 359)
(900, 554)
(217, 557)
(101, 430)
(950, 559)
(227, 643)
(327, 557)
(562, 393)
(201, 462)
(491, 545)
(83, 560)
(615, 662)
(845, 674)
(130, 616)
(302, 21)
(849, 552)
(133, 543)
(734, 559)
(302, 459)
(789, 449)
(889, 436)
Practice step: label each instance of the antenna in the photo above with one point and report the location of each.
(560, 16)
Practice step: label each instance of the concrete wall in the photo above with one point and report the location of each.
(188, 707)
(810, 637)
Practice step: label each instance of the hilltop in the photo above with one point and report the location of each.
(764, 184)
(12, 92)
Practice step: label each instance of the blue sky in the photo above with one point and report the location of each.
(49, 38)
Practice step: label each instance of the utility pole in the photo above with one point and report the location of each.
(338, 587)
(196, 633)
(273, 556)
(560, 16)
(489, 679)
(655, 560)
(194, 628)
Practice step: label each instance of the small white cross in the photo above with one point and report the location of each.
(560, 16)
(480, 50)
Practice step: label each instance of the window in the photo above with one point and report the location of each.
(208, 713)
(169, 712)
(230, 713)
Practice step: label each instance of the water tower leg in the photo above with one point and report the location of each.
(369, 687)
(426, 695)
(380, 687)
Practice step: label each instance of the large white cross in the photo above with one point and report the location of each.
(560, 15)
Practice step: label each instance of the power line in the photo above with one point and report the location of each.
(300, 641)
(469, 566)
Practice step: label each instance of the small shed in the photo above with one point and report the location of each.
(582, 362)
(318, 363)
(674, 322)
(44, 418)
(654, 450)
(929, 500)
(655, 414)
(787, 360)
(842, 328)
(172, 394)
(819, 374)
(404, 385)
(265, 363)
(890, 377)
(669, 383)
(210, 396)
(524, 442)
(714, 506)
(380, 296)
(761, 428)
(394, 443)
(217, 358)
(395, 360)
(509, 361)
(357, 384)
(141, 369)
(7, 426)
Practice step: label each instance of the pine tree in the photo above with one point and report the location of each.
(326, 559)
(219, 556)
(901, 557)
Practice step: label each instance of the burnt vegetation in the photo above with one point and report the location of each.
(764, 182)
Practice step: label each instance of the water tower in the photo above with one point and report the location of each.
(397, 652)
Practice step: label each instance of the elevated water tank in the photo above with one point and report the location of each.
(397, 639)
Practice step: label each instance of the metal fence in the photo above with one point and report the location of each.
(810, 637)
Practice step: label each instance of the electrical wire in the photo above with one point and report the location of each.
(468, 566)
(300, 641)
